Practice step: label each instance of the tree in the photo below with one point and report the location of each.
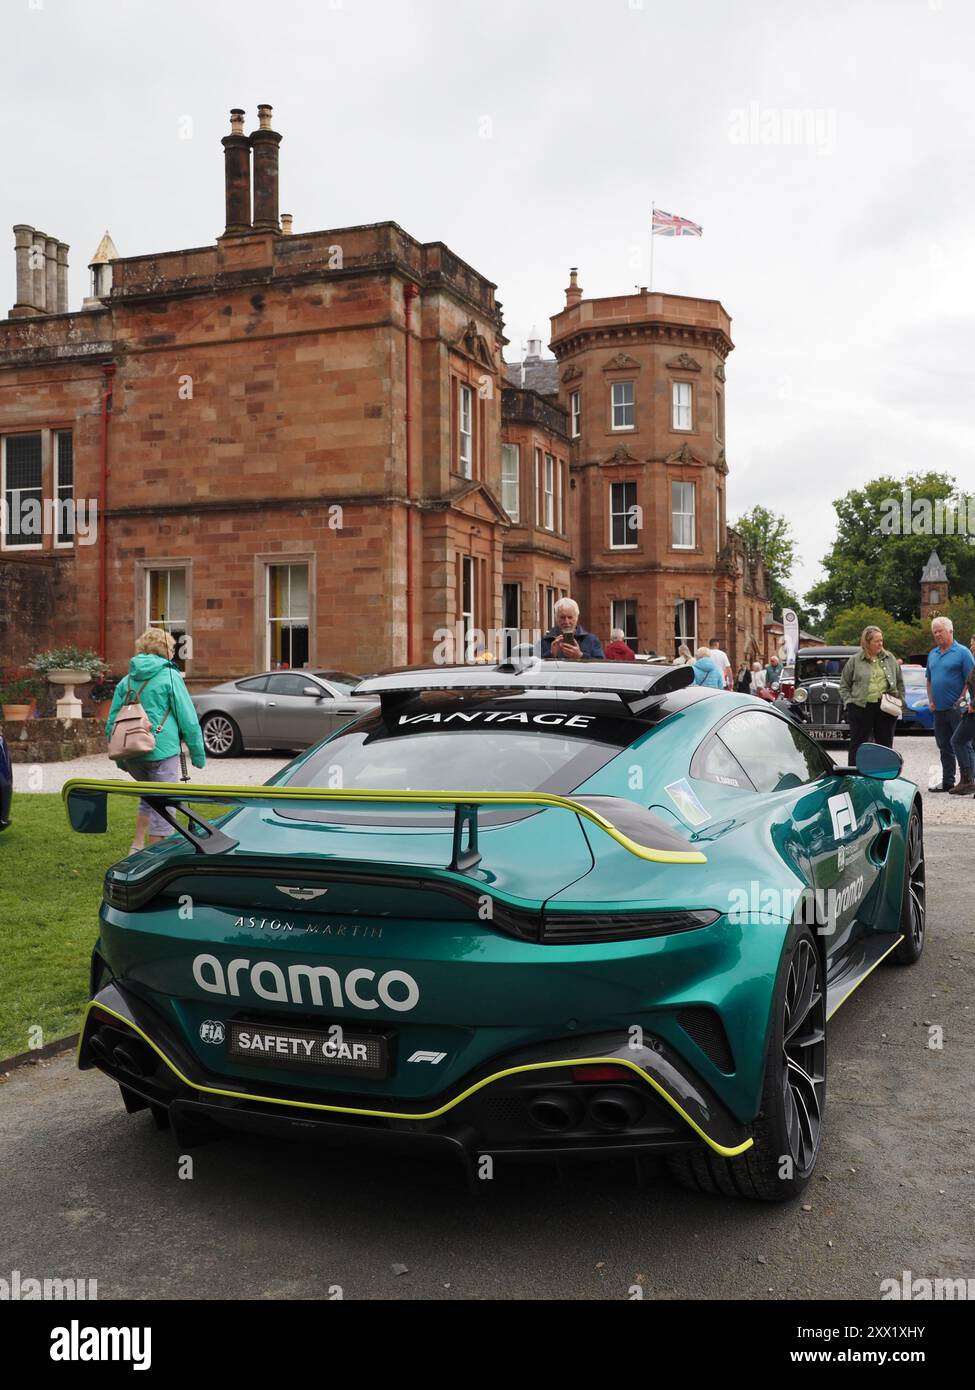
(768, 537)
(903, 639)
(961, 611)
(886, 531)
(847, 626)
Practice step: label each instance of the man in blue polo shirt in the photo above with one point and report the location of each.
(948, 666)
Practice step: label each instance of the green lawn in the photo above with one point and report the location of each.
(50, 892)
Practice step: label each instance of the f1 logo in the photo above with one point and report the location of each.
(843, 815)
(432, 1057)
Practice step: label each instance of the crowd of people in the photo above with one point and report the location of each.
(871, 685)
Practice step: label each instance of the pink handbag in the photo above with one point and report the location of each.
(132, 733)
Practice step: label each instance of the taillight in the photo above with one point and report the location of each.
(621, 926)
(601, 1071)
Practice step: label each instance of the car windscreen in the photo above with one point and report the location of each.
(341, 680)
(816, 668)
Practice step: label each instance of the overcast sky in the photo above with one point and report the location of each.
(825, 147)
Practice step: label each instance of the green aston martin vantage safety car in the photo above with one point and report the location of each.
(543, 908)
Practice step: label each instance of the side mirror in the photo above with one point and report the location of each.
(873, 760)
(315, 690)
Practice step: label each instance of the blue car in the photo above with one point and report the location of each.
(6, 784)
(918, 717)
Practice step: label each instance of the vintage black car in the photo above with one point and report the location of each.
(817, 692)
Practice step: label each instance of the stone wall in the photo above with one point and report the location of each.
(53, 740)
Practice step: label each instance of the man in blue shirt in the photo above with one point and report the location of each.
(948, 666)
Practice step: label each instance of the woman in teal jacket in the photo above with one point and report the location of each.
(158, 684)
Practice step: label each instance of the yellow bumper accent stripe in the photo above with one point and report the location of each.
(188, 791)
(721, 1149)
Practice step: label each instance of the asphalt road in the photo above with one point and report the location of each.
(89, 1192)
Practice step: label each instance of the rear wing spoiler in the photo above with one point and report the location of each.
(631, 826)
(639, 687)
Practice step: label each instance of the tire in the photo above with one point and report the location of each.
(221, 736)
(788, 1131)
(913, 905)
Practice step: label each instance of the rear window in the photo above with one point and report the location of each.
(502, 747)
(456, 759)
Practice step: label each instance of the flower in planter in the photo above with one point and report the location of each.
(70, 659)
(20, 687)
(103, 689)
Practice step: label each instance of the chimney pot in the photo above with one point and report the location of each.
(286, 221)
(574, 292)
(62, 259)
(237, 176)
(264, 144)
(38, 265)
(23, 242)
(51, 274)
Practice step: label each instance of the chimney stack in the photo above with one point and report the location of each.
(264, 143)
(42, 273)
(574, 293)
(237, 176)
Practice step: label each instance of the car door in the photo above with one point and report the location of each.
(339, 703)
(837, 817)
(295, 713)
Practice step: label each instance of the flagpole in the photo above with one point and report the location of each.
(650, 286)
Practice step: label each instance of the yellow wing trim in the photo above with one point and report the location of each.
(721, 1149)
(188, 791)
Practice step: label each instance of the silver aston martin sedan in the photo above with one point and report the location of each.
(278, 709)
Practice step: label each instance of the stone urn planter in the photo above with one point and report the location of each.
(69, 706)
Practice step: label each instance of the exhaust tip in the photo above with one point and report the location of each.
(615, 1110)
(132, 1058)
(553, 1113)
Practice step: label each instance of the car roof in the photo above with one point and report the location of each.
(827, 651)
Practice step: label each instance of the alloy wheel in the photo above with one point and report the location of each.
(218, 735)
(915, 880)
(804, 1055)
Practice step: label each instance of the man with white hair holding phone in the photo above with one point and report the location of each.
(568, 640)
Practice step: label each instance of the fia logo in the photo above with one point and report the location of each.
(843, 815)
(211, 1031)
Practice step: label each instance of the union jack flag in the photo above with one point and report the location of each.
(669, 224)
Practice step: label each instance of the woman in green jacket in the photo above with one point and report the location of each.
(869, 675)
(158, 683)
